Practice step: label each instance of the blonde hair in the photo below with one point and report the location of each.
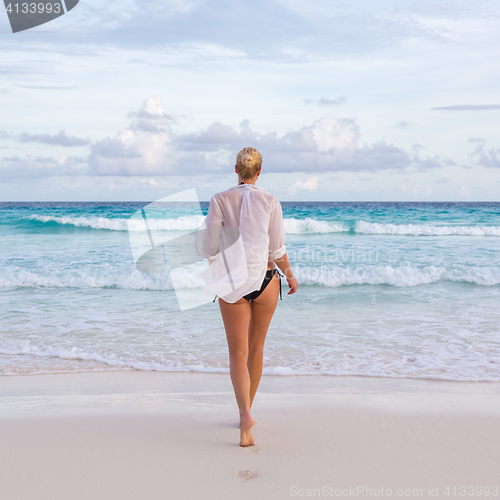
(248, 163)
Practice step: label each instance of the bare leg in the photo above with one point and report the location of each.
(236, 318)
(263, 308)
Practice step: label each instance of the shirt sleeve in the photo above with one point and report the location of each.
(208, 238)
(277, 246)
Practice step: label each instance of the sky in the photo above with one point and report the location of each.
(347, 100)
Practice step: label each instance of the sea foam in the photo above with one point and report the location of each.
(304, 226)
(309, 225)
(326, 275)
(424, 229)
(185, 223)
(397, 276)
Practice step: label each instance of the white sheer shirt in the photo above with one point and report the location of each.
(242, 231)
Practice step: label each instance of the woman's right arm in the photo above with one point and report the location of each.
(284, 264)
(277, 248)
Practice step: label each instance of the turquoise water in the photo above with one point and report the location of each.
(386, 289)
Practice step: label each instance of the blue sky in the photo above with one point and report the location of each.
(346, 100)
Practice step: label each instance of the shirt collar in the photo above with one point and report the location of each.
(252, 186)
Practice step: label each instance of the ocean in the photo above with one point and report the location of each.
(408, 290)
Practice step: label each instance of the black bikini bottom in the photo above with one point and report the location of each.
(267, 279)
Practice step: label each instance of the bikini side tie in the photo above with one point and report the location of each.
(281, 276)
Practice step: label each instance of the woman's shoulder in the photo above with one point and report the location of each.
(270, 198)
(221, 195)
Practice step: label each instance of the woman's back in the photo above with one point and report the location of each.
(243, 231)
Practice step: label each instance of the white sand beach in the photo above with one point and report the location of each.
(150, 435)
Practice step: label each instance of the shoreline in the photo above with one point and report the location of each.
(134, 434)
(218, 371)
(215, 389)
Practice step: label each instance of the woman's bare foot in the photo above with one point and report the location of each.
(246, 424)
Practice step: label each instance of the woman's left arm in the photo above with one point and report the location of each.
(207, 242)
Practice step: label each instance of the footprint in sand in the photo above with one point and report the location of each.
(245, 475)
(251, 449)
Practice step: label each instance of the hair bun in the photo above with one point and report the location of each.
(248, 160)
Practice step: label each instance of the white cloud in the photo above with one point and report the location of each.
(402, 124)
(143, 148)
(59, 139)
(332, 134)
(310, 184)
(326, 102)
(485, 157)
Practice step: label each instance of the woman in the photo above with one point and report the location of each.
(243, 239)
